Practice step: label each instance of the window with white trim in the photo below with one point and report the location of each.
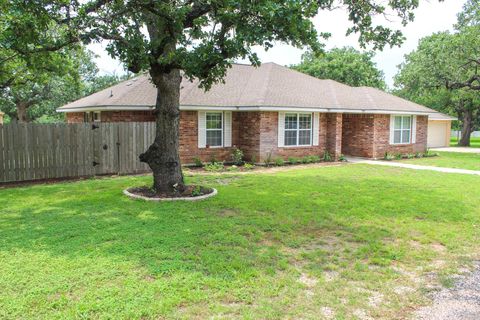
(298, 129)
(214, 128)
(92, 116)
(402, 129)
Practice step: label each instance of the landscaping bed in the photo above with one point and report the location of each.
(189, 192)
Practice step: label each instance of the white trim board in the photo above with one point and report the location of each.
(246, 108)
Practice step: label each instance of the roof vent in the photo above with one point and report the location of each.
(111, 93)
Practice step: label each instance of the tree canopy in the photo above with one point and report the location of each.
(345, 65)
(442, 72)
(201, 38)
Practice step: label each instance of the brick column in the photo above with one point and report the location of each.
(334, 134)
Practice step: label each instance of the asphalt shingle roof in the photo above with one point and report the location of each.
(269, 85)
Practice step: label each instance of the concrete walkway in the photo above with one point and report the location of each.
(457, 149)
(411, 166)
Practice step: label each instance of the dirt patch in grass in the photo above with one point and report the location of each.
(184, 192)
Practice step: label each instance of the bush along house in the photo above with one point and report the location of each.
(271, 111)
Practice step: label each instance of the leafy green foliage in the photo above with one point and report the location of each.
(345, 65)
(214, 166)
(279, 162)
(237, 156)
(198, 162)
(443, 72)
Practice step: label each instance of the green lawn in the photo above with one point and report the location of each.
(474, 142)
(470, 161)
(347, 241)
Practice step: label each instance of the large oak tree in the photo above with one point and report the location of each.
(443, 72)
(200, 39)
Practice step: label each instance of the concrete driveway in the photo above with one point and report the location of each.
(457, 149)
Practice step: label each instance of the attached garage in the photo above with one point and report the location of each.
(439, 129)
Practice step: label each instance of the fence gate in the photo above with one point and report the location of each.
(105, 142)
(46, 151)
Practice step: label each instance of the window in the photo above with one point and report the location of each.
(402, 129)
(92, 116)
(298, 129)
(214, 127)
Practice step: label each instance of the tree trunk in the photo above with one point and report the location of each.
(22, 108)
(467, 128)
(162, 156)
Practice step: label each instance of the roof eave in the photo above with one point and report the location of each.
(245, 108)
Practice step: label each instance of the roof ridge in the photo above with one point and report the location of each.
(264, 90)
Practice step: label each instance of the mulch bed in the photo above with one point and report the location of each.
(186, 192)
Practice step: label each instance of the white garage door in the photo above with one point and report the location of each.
(437, 132)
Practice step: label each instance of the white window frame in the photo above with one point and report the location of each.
(99, 119)
(298, 129)
(90, 116)
(410, 130)
(222, 129)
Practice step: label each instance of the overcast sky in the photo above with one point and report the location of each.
(430, 17)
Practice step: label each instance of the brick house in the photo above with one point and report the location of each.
(270, 110)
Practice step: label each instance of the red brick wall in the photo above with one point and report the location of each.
(382, 137)
(369, 136)
(269, 139)
(75, 117)
(256, 133)
(334, 134)
(189, 140)
(246, 125)
(115, 116)
(127, 116)
(357, 134)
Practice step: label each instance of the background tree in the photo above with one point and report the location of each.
(38, 93)
(443, 72)
(345, 65)
(199, 38)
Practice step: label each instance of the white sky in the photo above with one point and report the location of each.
(430, 17)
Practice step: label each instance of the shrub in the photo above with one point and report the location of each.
(279, 162)
(198, 162)
(428, 154)
(248, 166)
(233, 168)
(293, 160)
(342, 158)
(418, 155)
(253, 159)
(410, 156)
(398, 156)
(214, 166)
(315, 159)
(197, 191)
(268, 159)
(388, 156)
(213, 158)
(237, 156)
(327, 156)
(306, 159)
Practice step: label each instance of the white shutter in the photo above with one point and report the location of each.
(227, 131)
(414, 129)
(392, 126)
(316, 128)
(202, 129)
(281, 129)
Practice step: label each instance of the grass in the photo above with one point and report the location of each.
(347, 241)
(470, 161)
(474, 142)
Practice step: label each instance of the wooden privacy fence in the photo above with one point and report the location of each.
(45, 151)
